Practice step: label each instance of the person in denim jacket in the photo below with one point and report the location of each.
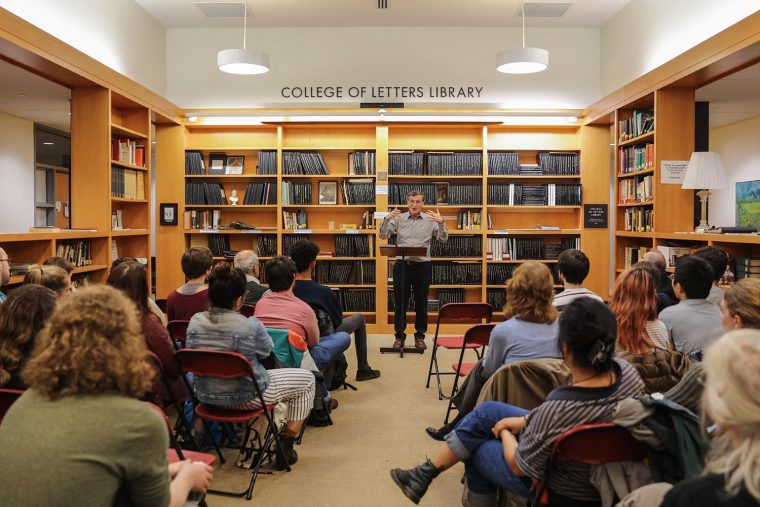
(221, 327)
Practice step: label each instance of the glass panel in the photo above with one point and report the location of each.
(41, 216)
(41, 186)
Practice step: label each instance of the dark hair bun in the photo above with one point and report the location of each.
(223, 270)
(589, 329)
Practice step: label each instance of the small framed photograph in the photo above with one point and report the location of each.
(441, 192)
(328, 192)
(168, 213)
(234, 164)
(217, 163)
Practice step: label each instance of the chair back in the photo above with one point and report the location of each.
(597, 444)
(479, 334)
(178, 331)
(247, 310)
(161, 304)
(465, 313)
(7, 398)
(214, 363)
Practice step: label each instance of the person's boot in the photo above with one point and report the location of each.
(286, 451)
(439, 433)
(414, 482)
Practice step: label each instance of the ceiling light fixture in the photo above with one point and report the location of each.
(522, 60)
(243, 61)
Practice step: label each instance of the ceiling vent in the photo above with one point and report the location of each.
(544, 10)
(382, 4)
(223, 9)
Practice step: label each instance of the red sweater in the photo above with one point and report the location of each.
(184, 306)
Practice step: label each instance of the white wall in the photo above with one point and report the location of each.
(118, 33)
(739, 148)
(16, 174)
(648, 33)
(405, 56)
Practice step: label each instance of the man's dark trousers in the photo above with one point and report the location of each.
(417, 277)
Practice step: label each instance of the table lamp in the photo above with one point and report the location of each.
(704, 173)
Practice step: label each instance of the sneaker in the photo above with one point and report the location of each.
(367, 374)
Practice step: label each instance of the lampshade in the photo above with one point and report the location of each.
(522, 60)
(705, 171)
(242, 61)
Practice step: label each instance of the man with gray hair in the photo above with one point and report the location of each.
(665, 286)
(248, 262)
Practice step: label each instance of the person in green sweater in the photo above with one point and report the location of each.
(79, 436)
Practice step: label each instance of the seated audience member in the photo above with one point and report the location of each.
(693, 323)
(52, 277)
(281, 309)
(248, 262)
(634, 303)
(486, 440)
(131, 278)
(192, 297)
(740, 306)
(718, 260)
(663, 300)
(665, 286)
(221, 327)
(152, 306)
(62, 263)
(78, 435)
(530, 332)
(5, 272)
(22, 317)
(573, 267)
(304, 254)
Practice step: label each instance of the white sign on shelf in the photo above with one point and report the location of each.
(500, 232)
(352, 231)
(673, 171)
(381, 190)
(250, 231)
(209, 231)
(379, 215)
(302, 231)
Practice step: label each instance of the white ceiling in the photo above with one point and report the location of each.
(733, 98)
(353, 13)
(34, 98)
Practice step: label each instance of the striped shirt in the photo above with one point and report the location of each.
(655, 334)
(565, 408)
(567, 295)
(418, 231)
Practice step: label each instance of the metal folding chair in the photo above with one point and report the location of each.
(178, 332)
(455, 313)
(247, 310)
(477, 336)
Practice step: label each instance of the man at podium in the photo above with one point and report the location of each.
(413, 228)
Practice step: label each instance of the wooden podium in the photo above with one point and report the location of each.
(401, 252)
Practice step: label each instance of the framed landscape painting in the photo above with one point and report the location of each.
(748, 203)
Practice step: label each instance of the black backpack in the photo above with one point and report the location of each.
(337, 372)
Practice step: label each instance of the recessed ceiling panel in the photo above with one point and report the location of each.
(544, 9)
(223, 9)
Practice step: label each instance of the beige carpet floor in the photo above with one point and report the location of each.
(378, 427)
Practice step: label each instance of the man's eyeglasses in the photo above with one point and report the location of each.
(9, 261)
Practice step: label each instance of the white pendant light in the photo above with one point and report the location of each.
(243, 61)
(522, 60)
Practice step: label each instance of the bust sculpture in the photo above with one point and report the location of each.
(234, 198)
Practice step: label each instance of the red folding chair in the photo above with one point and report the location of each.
(247, 310)
(476, 337)
(7, 398)
(455, 313)
(178, 332)
(231, 365)
(592, 444)
(164, 396)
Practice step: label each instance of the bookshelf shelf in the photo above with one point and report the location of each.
(526, 177)
(15, 280)
(90, 268)
(119, 130)
(251, 232)
(634, 234)
(533, 209)
(348, 232)
(534, 232)
(433, 177)
(635, 203)
(131, 232)
(321, 258)
(636, 173)
(129, 201)
(326, 176)
(128, 166)
(520, 261)
(639, 139)
(458, 259)
(229, 206)
(233, 178)
(327, 206)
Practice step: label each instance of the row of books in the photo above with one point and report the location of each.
(636, 190)
(747, 267)
(260, 193)
(456, 273)
(128, 151)
(204, 194)
(469, 220)
(266, 245)
(76, 252)
(458, 246)
(640, 122)
(296, 192)
(303, 162)
(358, 191)
(267, 163)
(21, 268)
(196, 219)
(294, 219)
(357, 300)
(368, 220)
(346, 272)
(497, 298)
(406, 163)
(127, 183)
(636, 158)
(397, 192)
(454, 163)
(512, 249)
(443, 297)
(361, 162)
(219, 244)
(549, 164)
(559, 163)
(638, 219)
(516, 194)
(459, 193)
(354, 245)
(634, 254)
(194, 164)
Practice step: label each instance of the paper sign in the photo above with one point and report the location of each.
(250, 231)
(381, 190)
(673, 171)
(302, 231)
(379, 215)
(209, 231)
(501, 232)
(352, 231)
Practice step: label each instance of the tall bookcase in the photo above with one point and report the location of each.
(371, 293)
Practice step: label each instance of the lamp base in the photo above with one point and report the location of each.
(703, 226)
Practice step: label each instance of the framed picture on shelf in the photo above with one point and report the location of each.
(748, 204)
(328, 192)
(168, 214)
(217, 163)
(234, 164)
(441, 192)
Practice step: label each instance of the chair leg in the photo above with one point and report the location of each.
(430, 367)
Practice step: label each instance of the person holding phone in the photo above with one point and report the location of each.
(413, 228)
